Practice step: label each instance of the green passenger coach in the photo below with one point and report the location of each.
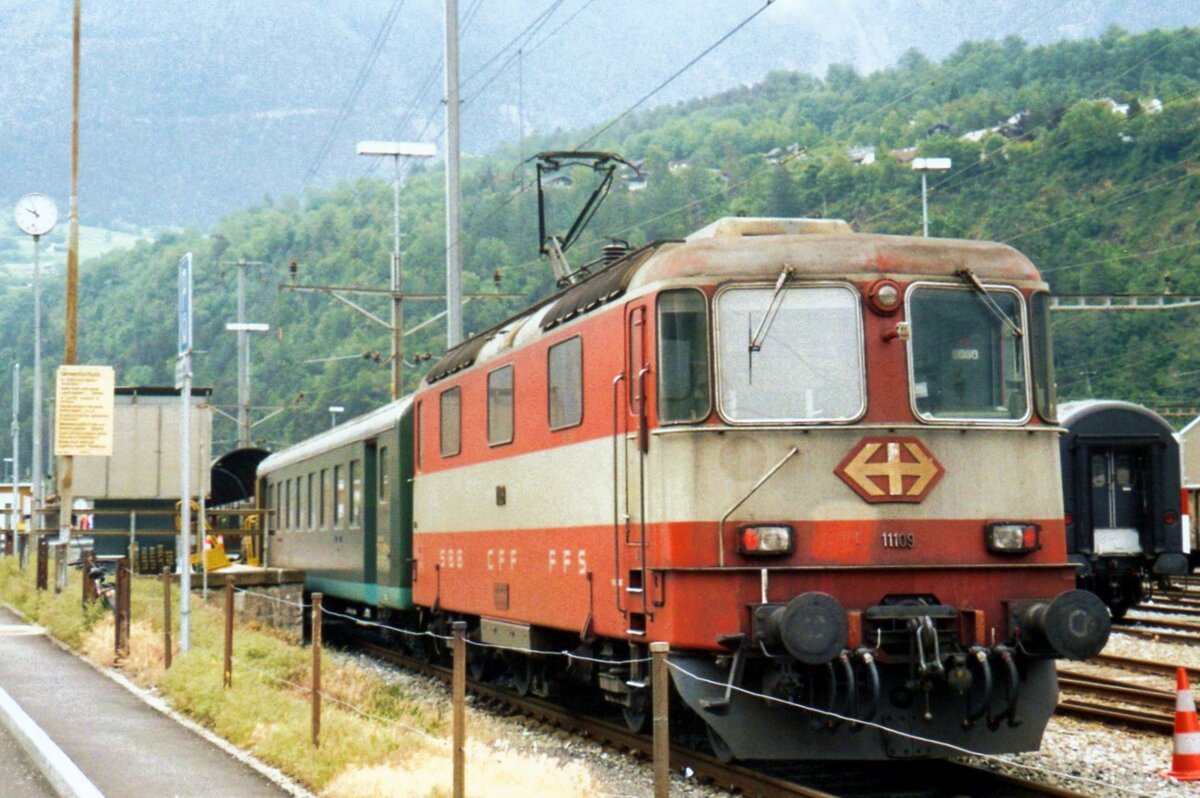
(342, 504)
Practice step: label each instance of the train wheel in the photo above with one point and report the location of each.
(480, 665)
(522, 672)
(635, 714)
(720, 748)
(1118, 610)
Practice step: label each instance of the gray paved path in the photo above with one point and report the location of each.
(125, 747)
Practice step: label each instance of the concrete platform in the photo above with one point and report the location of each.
(121, 745)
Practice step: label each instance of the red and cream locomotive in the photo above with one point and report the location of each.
(822, 465)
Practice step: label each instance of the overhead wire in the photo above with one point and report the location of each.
(674, 76)
(356, 88)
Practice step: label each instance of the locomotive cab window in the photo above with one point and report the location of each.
(500, 406)
(565, 376)
(790, 354)
(1044, 398)
(450, 422)
(683, 386)
(967, 354)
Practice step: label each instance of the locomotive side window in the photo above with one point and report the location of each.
(967, 354)
(790, 354)
(566, 383)
(683, 389)
(451, 422)
(500, 406)
(1044, 398)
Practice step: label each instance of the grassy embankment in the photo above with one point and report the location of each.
(397, 747)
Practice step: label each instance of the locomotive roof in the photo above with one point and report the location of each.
(749, 249)
(833, 253)
(356, 429)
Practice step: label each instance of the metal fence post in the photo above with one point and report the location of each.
(43, 567)
(316, 669)
(60, 565)
(459, 698)
(228, 676)
(124, 578)
(660, 685)
(166, 588)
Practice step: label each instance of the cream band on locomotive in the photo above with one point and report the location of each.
(822, 465)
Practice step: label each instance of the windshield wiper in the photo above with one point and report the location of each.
(764, 326)
(971, 280)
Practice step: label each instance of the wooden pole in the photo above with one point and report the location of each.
(89, 587)
(316, 669)
(660, 685)
(124, 577)
(459, 698)
(228, 633)
(166, 587)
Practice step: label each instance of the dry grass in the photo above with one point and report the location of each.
(397, 746)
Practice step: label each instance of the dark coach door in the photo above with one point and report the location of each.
(1119, 482)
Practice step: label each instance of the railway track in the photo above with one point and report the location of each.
(924, 779)
(1155, 708)
(1159, 629)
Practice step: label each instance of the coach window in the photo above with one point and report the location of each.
(355, 492)
(967, 353)
(500, 406)
(322, 519)
(271, 504)
(566, 383)
(683, 390)
(339, 495)
(1044, 397)
(308, 506)
(383, 475)
(790, 354)
(297, 503)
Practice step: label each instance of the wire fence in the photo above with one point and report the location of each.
(679, 672)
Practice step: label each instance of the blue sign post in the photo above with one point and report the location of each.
(183, 381)
(185, 304)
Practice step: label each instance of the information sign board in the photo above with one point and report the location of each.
(83, 419)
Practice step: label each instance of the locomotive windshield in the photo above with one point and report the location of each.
(968, 355)
(807, 364)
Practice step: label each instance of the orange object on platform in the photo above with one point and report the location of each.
(1185, 762)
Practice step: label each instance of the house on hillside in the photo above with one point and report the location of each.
(938, 129)
(904, 156)
(861, 156)
(781, 154)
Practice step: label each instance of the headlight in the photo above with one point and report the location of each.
(772, 539)
(1013, 537)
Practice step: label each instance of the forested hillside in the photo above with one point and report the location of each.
(1091, 170)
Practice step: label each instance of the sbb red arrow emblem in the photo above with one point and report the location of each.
(890, 469)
